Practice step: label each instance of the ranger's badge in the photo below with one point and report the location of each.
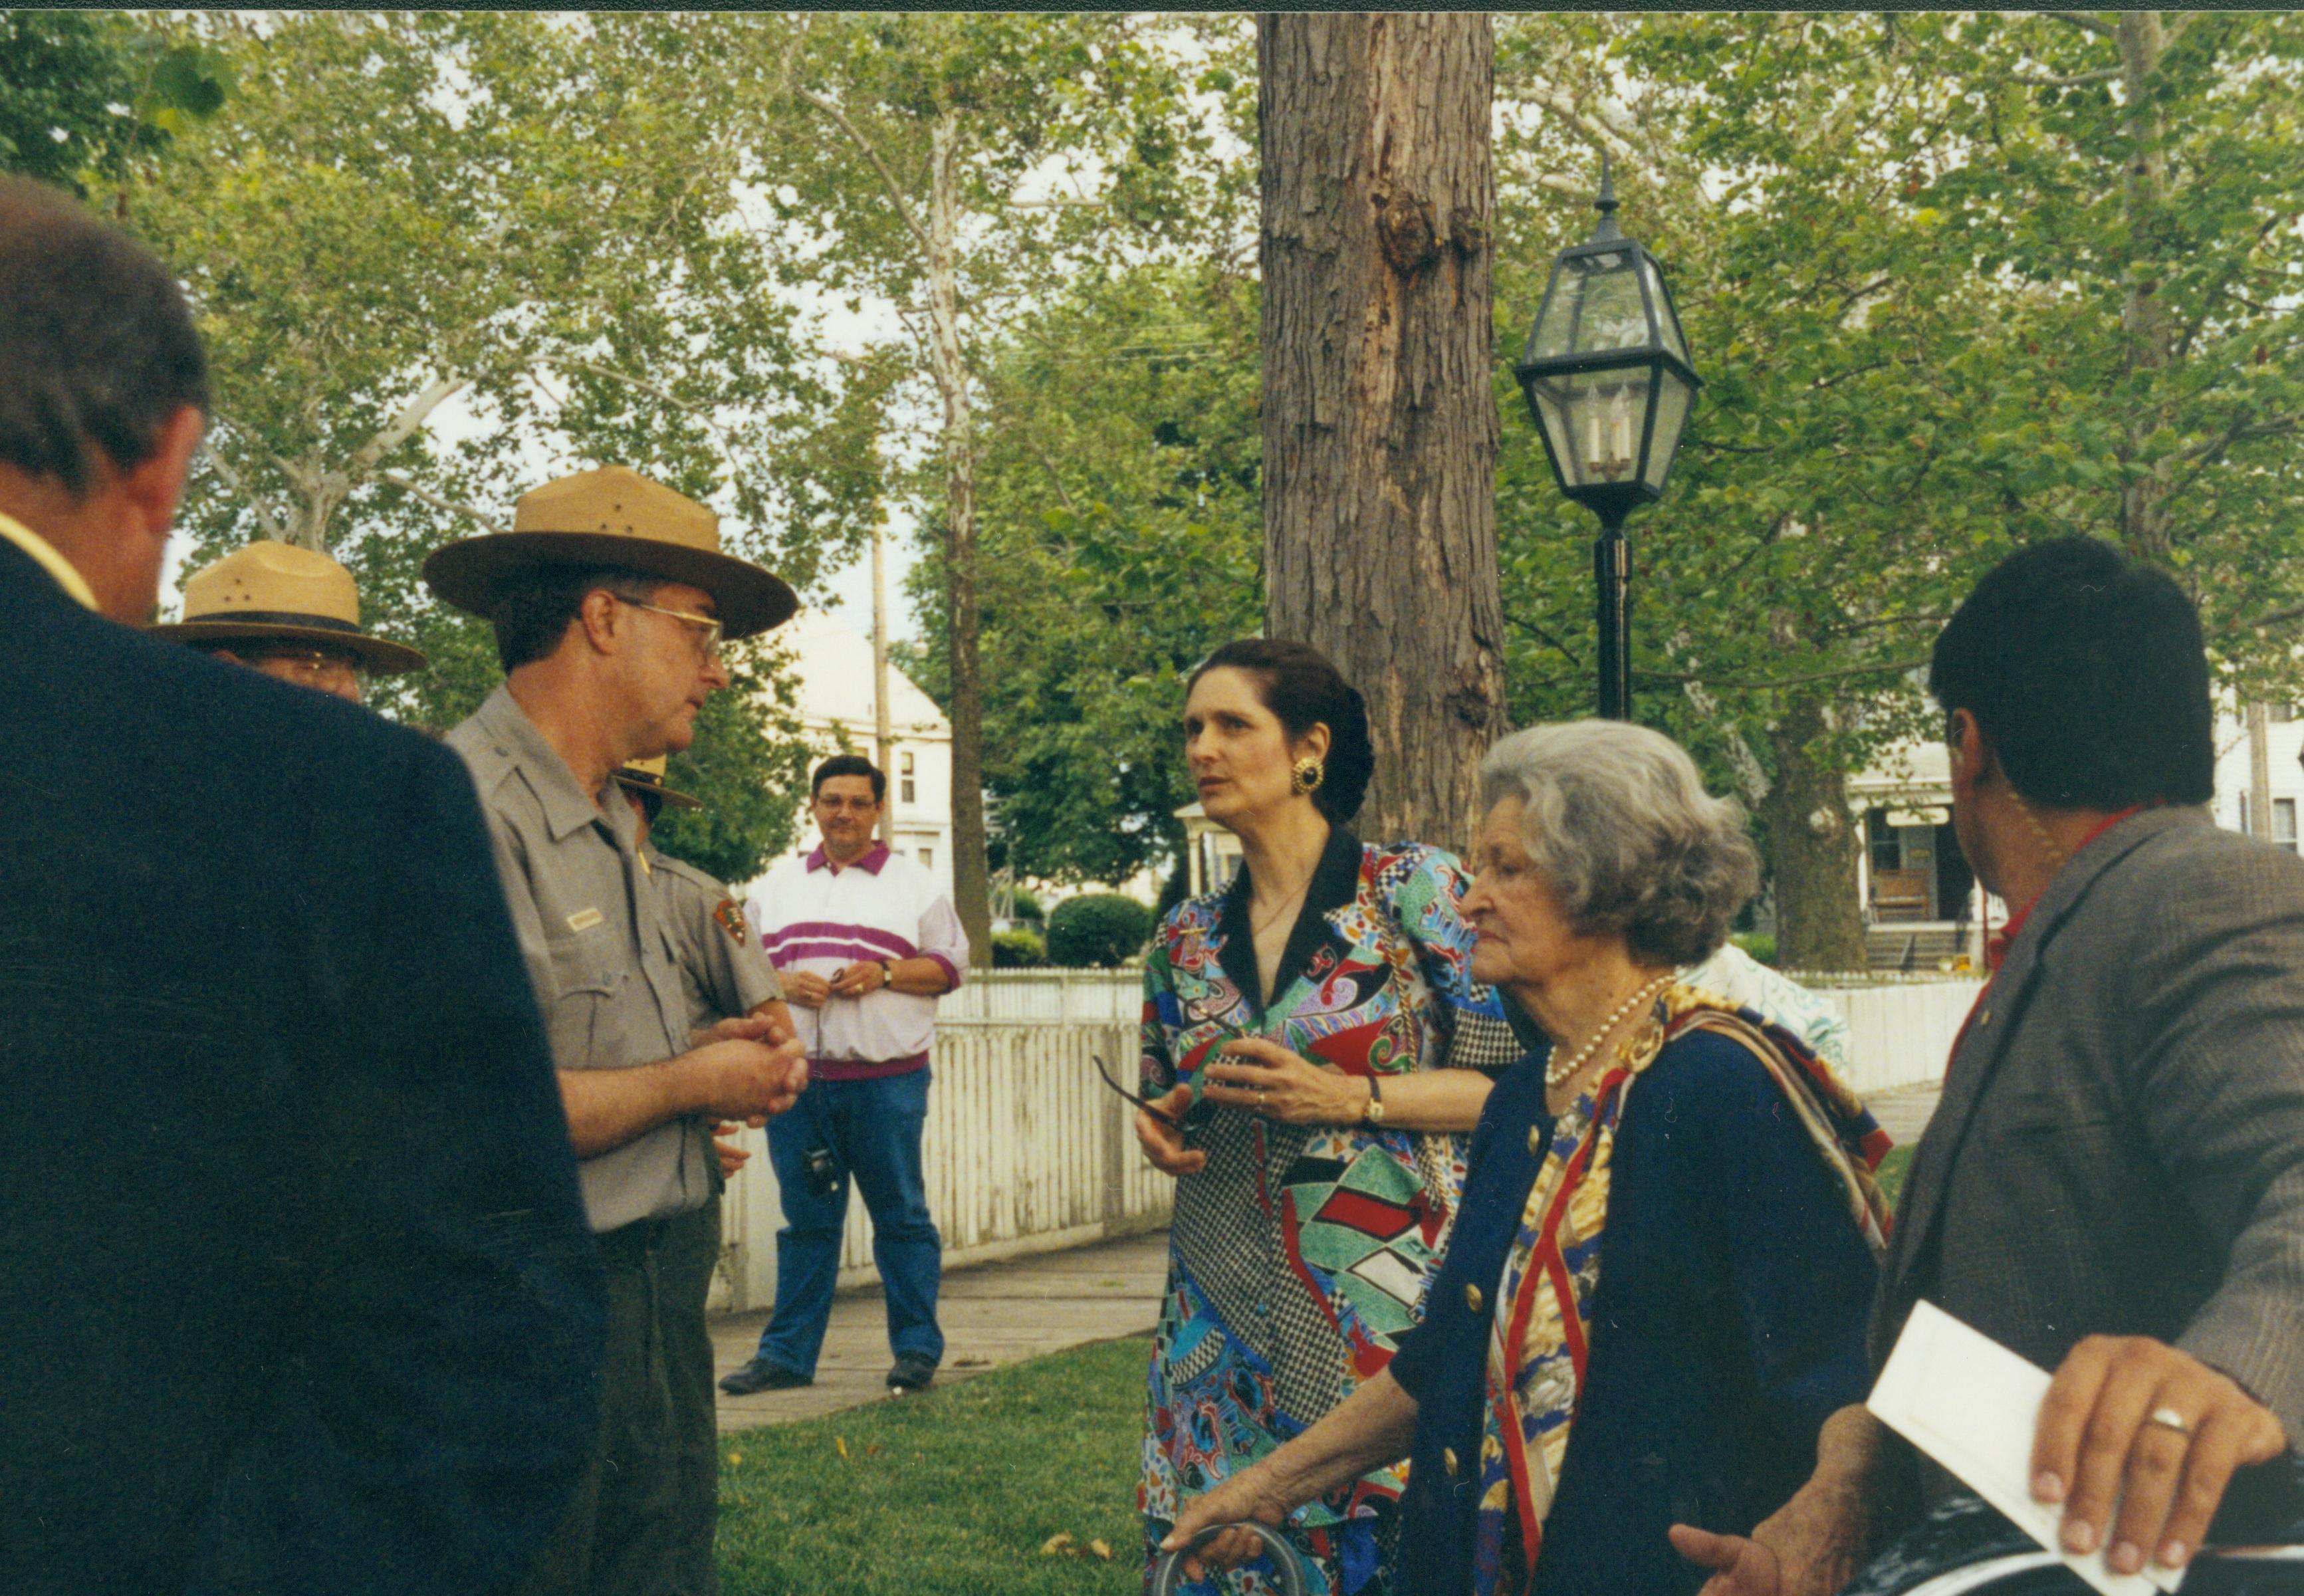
(731, 921)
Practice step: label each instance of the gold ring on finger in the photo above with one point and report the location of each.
(2168, 1418)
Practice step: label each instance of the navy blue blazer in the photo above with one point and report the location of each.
(296, 1292)
(1728, 1326)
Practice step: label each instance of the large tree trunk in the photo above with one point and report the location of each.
(1812, 834)
(971, 884)
(1379, 421)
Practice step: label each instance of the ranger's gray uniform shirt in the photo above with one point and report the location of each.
(602, 961)
(721, 968)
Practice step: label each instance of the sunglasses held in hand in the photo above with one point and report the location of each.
(1162, 1115)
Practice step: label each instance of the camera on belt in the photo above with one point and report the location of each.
(823, 1170)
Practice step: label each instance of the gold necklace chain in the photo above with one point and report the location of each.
(1256, 928)
(1556, 1074)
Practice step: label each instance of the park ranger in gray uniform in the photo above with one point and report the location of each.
(608, 597)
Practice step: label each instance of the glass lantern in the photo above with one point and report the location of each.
(1607, 372)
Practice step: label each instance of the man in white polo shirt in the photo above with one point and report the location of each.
(865, 945)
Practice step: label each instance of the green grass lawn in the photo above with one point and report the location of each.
(949, 1493)
(1890, 1173)
(954, 1493)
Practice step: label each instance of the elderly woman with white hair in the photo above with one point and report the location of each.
(1656, 1288)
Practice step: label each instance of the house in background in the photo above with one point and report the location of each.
(832, 667)
(1211, 853)
(2284, 743)
(1922, 903)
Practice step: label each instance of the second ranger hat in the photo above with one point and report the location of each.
(270, 591)
(646, 776)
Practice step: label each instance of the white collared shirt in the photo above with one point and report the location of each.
(814, 915)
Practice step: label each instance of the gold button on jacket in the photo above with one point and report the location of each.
(1472, 1298)
(1448, 1460)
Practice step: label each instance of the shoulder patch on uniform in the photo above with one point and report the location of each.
(731, 921)
(584, 920)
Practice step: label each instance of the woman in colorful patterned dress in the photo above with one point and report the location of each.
(1655, 1291)
(1308, 1027)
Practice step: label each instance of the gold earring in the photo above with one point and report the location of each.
(1307, 775)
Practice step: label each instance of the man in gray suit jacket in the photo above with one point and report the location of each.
(2113, 1182)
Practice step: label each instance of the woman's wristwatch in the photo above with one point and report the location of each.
(1372, 1113)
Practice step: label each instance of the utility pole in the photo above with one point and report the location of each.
(2259, 771)
(880, 732)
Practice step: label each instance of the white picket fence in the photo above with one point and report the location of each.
(1026, 1151)
(1059, 997)
(1899, 1034)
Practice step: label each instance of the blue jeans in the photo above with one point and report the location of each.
(873, 1128)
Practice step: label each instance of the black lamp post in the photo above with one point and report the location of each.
(1607, 377)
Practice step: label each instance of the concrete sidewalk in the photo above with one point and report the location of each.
(1904, 1113)
(992, 1314)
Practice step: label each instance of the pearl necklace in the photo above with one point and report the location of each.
(1556, 1074)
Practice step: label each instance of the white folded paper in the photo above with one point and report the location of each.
(1972, 1404)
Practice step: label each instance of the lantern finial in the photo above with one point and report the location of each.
(1607, 203)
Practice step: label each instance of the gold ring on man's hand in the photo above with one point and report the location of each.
(2168, 1418)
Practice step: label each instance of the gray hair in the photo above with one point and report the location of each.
(1619, 824)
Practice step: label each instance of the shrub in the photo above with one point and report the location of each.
(1027, 906)
(1017, 950)
(1758, 943)
(1100, 928)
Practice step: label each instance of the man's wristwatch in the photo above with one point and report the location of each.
(887, 974)
(1373, 1113)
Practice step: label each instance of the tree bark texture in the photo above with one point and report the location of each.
(1813, 836)
(1379, 420)
(971, 883)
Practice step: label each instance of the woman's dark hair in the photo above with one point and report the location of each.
(1296, 681)
(2088, 673)
(850, 764)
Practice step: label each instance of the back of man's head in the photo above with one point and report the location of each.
(2087, 673)
(96, 346)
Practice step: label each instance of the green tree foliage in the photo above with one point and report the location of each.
(84, 94)
(962, 167)
(1121, 532)
(1907, 252)
(1097, 930)
(749, 762)
(441, 257)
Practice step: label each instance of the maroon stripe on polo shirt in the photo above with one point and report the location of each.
(792, 953)
(888, 944)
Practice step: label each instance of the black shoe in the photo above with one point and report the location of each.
(760, 1375)
(912, 1372)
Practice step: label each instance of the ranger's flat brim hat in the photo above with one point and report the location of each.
(612, 517)
(646, 776)
(276, 592)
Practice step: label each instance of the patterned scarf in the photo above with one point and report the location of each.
(1542, 1323)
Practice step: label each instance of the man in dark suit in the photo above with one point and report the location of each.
(296, 1292)
(2113, 1182)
